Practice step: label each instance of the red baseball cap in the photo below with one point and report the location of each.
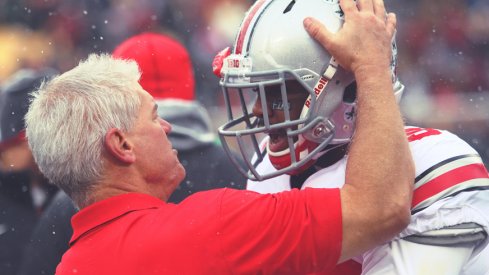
(164, 63)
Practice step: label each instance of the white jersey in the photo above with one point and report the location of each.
(451, 188)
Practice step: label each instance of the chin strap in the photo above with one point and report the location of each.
(282, 159)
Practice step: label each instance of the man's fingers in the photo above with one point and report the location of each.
(379, 8)
(391, 23)
(318, 31)
(365, 5)
(348, 6)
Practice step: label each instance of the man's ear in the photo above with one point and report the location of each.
(118, 146)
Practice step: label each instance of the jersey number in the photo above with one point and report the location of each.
(419, 133)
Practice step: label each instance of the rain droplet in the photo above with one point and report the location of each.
(85, 12)
(189, 184)
(106, 21)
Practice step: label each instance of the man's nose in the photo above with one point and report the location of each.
(165, 125)
(258, 108)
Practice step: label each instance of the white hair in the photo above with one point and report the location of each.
(70, 115)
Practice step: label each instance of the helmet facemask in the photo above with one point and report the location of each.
(269, 92)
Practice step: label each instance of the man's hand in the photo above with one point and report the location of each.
(379, 158)
(365, 38)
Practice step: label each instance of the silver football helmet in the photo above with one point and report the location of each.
(271, 49)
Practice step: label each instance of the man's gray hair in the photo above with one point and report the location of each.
(70, 115)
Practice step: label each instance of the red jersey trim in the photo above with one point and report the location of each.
(445, 183)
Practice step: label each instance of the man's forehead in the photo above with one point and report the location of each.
(147, 99)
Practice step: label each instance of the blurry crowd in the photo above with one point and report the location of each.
(58, 33)
(444, 63)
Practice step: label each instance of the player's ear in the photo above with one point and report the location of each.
(118, 146)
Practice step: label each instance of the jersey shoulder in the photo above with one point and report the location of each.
(445, 166)
(430, 146)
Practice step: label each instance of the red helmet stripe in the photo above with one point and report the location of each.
(246, 25)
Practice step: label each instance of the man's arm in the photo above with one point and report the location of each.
(380, 173)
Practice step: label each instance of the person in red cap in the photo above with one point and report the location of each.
(165, 64)
(167, 74)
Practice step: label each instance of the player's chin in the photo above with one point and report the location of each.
(278, 143)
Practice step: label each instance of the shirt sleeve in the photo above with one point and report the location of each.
(291, 231)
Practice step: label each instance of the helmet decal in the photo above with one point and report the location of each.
(217, 63)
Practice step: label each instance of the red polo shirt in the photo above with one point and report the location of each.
(222, 231)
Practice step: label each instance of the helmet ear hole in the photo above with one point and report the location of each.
(350, 93)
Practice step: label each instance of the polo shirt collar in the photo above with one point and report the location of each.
(109, 209)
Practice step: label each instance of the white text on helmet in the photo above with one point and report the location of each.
(318, 89)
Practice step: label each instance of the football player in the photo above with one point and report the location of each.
(291, 112)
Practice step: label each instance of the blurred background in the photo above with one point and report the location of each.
(443, 48)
